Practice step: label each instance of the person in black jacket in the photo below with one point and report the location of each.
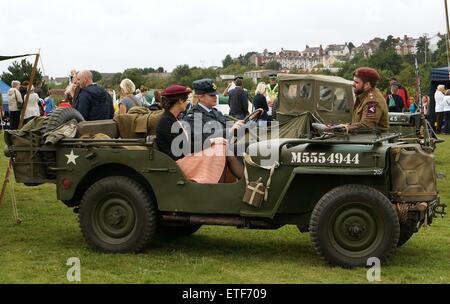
(174, 102)
(238, 101)
(93, 102)
(260, 101)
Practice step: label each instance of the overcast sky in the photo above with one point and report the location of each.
(112, 35)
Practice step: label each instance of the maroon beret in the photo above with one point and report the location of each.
(366, 73)
(175, 89)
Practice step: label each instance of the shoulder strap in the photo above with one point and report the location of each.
(248, 160)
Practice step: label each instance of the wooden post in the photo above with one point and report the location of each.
(22, 115)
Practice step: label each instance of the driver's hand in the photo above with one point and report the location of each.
(218, 141)
(237, 125)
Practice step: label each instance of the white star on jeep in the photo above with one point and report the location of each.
(71, 158)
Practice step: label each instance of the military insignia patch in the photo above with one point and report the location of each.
(372, 109)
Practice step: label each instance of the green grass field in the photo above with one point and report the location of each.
(37, 250)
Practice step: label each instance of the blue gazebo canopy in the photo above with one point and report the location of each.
(4, 88)
(440, 74)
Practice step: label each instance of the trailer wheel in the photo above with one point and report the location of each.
(353, 223)
(117, 215)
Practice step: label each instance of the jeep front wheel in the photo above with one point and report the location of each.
(117, 215)
(353, 223)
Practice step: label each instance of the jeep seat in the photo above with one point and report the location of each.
(108, 127)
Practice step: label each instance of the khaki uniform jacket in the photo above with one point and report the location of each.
(370, 111)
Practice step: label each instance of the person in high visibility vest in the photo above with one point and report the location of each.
(272, 93)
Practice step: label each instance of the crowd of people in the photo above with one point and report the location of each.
(40, 103)
(398, 100)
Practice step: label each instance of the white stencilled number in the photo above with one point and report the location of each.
(305, 157)
(348, 159)
(322, 158)
(330, 159)
(314, 159)
(339, 158)
(355, 159)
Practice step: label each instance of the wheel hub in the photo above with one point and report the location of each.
(355, 229)
(116, 217)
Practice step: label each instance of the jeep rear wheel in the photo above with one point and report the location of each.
(117, 215)
(353, 223)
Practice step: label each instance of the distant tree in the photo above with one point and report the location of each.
(160, 70)
(134, 75)
(273, 65)
(351, 46)
(115, 80)
(386, 60)
(389, 43)
(423, 50)
(439, 57)
(227, 61)
(21, 72)
(147, 71)
(96, 76)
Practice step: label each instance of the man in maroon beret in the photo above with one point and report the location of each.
(370, 110)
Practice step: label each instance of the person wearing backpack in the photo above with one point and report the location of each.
(394, 101)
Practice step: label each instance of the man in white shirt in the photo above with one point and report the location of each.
(447, 114)
(439, 109)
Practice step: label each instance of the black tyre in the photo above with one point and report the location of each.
(117, 215)
(407, 230)
(353, 223)
(177, 230)
(60, 116)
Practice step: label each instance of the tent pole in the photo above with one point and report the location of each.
(448, 33)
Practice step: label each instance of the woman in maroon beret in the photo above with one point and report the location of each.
(174, 102)
(208, 166)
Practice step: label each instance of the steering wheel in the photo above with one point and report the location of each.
(248, 120)
(254, 116)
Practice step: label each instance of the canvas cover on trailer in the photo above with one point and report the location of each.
(329, 98)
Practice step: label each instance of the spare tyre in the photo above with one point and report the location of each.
(60, 116)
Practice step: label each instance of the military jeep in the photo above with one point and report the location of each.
(358, 195)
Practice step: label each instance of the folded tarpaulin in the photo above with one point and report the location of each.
(16, 56)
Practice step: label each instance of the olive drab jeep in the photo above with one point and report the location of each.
(358, 195)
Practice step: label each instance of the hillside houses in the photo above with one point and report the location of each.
(406, 46)
(312, 57)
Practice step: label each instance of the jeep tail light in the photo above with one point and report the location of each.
(66, 183)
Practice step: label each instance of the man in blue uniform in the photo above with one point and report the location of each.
(205, 121)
